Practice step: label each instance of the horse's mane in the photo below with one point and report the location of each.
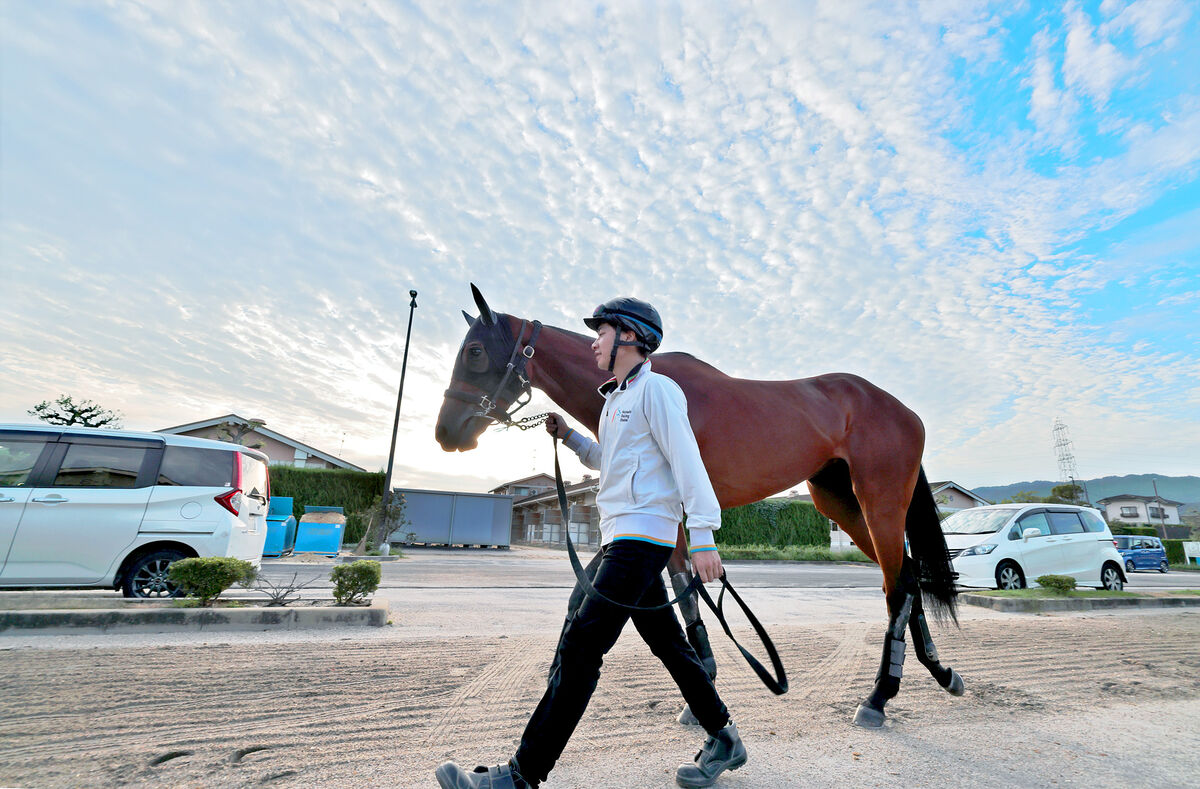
(667, 355)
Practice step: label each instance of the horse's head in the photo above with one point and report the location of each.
(481, 377)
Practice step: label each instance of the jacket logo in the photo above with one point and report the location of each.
(623, 414)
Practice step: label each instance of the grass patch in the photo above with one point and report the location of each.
(1050, 594)
(1185, 591)
(1186, 568)
(791, 553)
(194, 602)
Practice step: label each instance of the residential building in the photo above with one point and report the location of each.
(952, 497)
(281, 449)
(536, 517)
(1140, 510)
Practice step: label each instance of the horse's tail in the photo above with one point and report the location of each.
(927, 545)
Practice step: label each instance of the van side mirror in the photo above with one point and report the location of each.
(1032, 531)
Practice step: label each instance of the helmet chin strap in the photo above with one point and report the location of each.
(617, 342)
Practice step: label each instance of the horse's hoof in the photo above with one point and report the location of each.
(686, 717)
(955, 688)
(868, 717)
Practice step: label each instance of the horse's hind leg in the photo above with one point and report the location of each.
(833, 496)
(901, 601)
(927, 653)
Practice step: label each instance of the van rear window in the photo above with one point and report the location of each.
(196, 467)
(255, 482)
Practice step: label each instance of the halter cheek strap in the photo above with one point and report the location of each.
(517, 361)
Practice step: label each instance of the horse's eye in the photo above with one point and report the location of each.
(476, 351)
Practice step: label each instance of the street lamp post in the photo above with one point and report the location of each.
(387, 482)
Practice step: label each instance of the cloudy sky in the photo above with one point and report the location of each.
(991, 210)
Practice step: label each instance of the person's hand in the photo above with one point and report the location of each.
(707, 565)
(556, 425)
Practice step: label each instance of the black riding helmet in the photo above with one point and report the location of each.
(629, 314)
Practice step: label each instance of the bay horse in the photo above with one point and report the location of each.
(858, 448)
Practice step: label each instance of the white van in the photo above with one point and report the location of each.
(1007, 546)
(114, 508)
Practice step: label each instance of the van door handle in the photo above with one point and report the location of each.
(55, 499)
(7, 498)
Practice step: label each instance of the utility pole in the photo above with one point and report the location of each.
(1162, 511)
(387, 480)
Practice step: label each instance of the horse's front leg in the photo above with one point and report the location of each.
(680, 570)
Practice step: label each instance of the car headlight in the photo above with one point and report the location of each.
(979, 550)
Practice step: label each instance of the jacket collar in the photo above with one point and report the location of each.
(611, 384)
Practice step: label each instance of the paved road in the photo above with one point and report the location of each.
(532, 568)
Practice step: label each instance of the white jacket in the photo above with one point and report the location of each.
(649, 463)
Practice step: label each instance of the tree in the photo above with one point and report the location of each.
(235, 432)
(382, 521)
(1022, 497)
(65, 411)
(1065, 494)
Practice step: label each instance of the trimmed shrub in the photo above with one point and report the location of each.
(1057, 583)
(354, 581)
(1175, 552)
(803, 553)
(353, 491)
(1139, 531)
(208, 576)
(773, 522)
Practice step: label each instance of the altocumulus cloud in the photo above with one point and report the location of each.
(212, 208)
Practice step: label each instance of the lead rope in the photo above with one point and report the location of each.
(777, 684)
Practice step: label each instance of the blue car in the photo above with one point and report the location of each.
(1142, 553)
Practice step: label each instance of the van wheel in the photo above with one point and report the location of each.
(1129, 567)
(1110, 577)
(1163, 566)
(1009, 576)
(147, 577)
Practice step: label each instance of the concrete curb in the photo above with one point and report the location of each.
(1023, 605)
(166, 620)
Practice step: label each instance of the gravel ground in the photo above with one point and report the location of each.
(1069, 700)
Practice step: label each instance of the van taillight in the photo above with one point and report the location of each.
(231, 501)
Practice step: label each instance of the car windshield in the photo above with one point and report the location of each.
(976, 521)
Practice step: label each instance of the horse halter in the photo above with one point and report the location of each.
(517, 362)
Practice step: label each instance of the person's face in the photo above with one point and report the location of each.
(602, 346)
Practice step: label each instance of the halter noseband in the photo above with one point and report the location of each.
(516, 366)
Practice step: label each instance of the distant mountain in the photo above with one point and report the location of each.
(1182, 489)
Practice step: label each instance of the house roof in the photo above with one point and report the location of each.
(1131, 497)
(938, 487)
(523, 480)
(280, 437)
(548, 495)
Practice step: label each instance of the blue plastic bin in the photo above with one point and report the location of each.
(281, 527)
(323, 538)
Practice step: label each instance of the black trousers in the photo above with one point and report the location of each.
(630, 572)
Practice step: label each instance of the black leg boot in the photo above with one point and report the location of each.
(722, 751)
(502, 776)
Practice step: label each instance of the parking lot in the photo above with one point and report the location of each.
(1067, 700)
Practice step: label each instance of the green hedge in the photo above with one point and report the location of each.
(1139, 531)
(773, 522)
(353, 491)
(1175, 554)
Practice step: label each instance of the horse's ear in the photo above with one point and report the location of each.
(485, 312)
(470, 320)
